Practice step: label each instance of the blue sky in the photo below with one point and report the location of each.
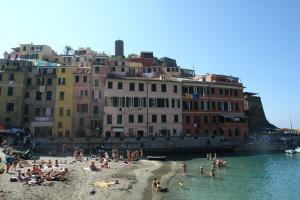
(258, 40)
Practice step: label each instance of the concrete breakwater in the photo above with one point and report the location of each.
(150, 145)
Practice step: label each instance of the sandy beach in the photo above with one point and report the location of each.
(134, 181)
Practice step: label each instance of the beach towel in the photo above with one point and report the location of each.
(104, 184)
(87, 168)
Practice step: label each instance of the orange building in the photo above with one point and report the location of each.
(213, 105)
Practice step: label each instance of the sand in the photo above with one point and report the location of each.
(134, 182)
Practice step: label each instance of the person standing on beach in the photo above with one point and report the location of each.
(201, 170)
(184, 168)
(9, 162)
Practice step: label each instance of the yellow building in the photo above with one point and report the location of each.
(12, 88)
(64, 102)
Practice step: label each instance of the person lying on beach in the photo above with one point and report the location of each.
(105, 184)
(23, 163)
(105, 165)
(61, 176)
(36, 171)
(93, 167)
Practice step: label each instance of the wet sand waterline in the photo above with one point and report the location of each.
(166, 172)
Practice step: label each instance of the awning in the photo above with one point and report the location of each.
(235, 117)
(117, 129)
(41, 124)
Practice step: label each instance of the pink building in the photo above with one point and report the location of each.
(82, 101)
(142, 107)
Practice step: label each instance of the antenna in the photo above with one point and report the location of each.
(291, 123)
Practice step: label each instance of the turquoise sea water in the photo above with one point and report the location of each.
(259, 177)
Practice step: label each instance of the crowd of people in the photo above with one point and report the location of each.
(41, 173)
(212, 158)
(103, 158)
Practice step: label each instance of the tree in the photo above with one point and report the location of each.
(68, 50)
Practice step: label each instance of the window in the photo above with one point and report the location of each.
(61, 111)
(49, 95)
(63, 70)
(61, 81)
(40, 81)
(85, 79)
(119, 119)
(37, 112)
(187, 119)
(235, 92)
(26, 109)
(131, 86)
(60, 125)
(131, 119)
(153, 87)
(221, 91)
(175, 88)
(38, 96)
(237, 108)
(141, 86)
(163, 88)
(154, 118)
(212, 90)
(164, 118)
(237, 132)
(10, 107)
(175, 118)
(82, 108)
(67, 133)
(11, 77)
(205, 119)
(77, 79)
(27, 94)
(109, 85)
(29, 81)
(49, 81)
(1, 76)
(96, 83)
(109, 119)
(213, 105)
(196, 107)
(140, 118)
(61, 96)
(120, 85)
(68, 112)
(0, 91)
(226, 92)
(96, 110)
(97, 69)
(81, 122)
(10, 91)
(214, 119)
